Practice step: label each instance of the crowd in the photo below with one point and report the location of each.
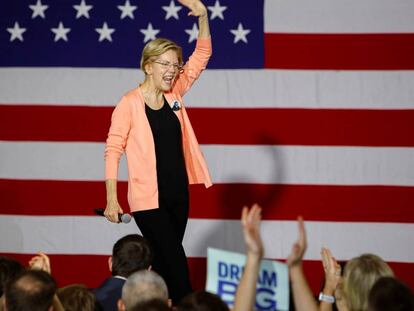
(366, 282)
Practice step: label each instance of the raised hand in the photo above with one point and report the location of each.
(250, 220)
(40, 262)
(298, 249)
(332, 271)
(196, 7)
(246, 291)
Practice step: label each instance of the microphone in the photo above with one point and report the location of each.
(124, 218)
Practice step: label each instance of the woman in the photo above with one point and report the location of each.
(352, 289)
(151, 125)
(360, 275)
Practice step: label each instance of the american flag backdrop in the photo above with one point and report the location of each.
(306, 107)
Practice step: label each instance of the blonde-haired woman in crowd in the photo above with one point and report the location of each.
(360, 275)
(349, 291)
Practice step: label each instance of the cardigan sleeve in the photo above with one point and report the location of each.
(117, 137)
(194, 66)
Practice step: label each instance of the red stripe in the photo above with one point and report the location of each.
(222, 201)
(339, 51)
(54, 123)
(70, 269)
(328, 127)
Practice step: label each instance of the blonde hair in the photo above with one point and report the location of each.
(360, 275)
(158, 47)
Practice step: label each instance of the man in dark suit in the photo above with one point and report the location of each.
(129, 254)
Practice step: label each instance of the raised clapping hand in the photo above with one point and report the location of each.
(246, 291)
(332, 270)
(298, 250)
(250, 220)
(40, 262)
(196, 7)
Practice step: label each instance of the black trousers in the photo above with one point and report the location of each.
(164, 228)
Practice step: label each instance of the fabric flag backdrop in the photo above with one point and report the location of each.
(306, 107)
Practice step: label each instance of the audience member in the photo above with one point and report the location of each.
(151, 305)
(77, 297)
(246, 290)
(202, 300)
(129, 254)
(142, 286)
(9, 268)
(360, 274)
(42, 262)
(351, 290)
(388, 293)
(31, 290)
(302, 295)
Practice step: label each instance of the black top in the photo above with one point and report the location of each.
(166, 130)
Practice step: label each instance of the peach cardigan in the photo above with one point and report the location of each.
(131, 133)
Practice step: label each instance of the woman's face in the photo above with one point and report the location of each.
(164, 69)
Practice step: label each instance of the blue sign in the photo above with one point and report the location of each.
(225, 269)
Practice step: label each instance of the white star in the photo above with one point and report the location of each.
(38, 9)
(217, 10)
(193, 33)
(82, 9)
(60, 32)
(16, 32)
(127, 10)
(172, 10)
(240, 33)
(150, 33)
(105, 32)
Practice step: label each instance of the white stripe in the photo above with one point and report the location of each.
(216, 88)
(94, 235)
(227, 163)
(339, 16)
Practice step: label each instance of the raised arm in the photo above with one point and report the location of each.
(302, 294)
(203, 50)
(246, 291)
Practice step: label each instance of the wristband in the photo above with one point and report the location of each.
(326, 298)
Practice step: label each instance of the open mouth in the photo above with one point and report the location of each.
(168, 79)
